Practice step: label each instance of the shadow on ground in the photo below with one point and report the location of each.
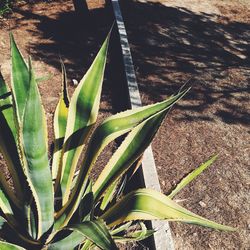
(170, 46)
(69, 36)
(75, 39)
(173, 45)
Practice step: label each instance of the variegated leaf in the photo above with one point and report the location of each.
(8, 135)
(20, 79)
(122, 123)
(60, 122)
(130, 150)
(116, 126)
(33, 146)
(70, 241)
(94, 231)
(83, 110)
(186, 180)
(97, 232)
(146, 204)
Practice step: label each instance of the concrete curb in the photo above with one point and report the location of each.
(162, 238)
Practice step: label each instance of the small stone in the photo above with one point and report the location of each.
(75, 82)
(202, 204)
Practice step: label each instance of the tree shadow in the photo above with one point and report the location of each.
(74, 38)
(169, 46)
(70, 37)
(173, 45)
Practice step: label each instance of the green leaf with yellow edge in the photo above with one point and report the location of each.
(70, 241)
(186, 180)
(33, 139)
(130, 150)
(118, 125)
(20, 78)
(97, 232)
(124, 121)
(6, 206)
(63, 216)
(94, 231)
(83, 111)
(60, 122)
(8, 136)
(6, 106)
(147, 204)
(109, 194)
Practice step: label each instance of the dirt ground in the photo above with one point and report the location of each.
(204, 42)
(208, 44)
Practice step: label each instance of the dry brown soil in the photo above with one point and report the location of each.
(208, 44)
(204, 42)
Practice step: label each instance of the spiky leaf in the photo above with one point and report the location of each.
(83, 110)
(146, 204)
(60, 122)
(116, 126)
(8, 134)
(186, 180)
(70, 241)
(33, 138)
(20, 78)
(96, 232)
(130, 150)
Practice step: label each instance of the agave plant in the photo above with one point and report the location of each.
(55, 205)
